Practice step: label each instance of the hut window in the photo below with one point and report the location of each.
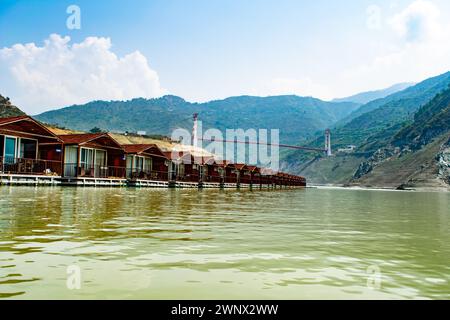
(28, 149)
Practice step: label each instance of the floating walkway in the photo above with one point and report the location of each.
(43, 180)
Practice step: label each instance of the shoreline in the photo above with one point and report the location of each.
(376, 188)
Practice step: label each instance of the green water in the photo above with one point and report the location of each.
(189, 244)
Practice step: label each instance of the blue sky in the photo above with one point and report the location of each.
(204, 50)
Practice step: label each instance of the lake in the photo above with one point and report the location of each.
(124, 243)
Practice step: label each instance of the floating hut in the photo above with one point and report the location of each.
(146, 165)
(32, 153)
(29, 152)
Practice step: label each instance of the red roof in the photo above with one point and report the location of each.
(225, 163)
(81, 137)
(28, 125)
(176, 155)
(12, 119)
(209, 160)
(239, 166)
(143, 148)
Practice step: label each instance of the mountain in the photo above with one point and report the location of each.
(7, 109)
(431, 121)
(371, 124)
(366, 97)
(299, 118)
(370, 128)
(418, 155)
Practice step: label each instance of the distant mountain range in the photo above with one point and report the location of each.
(402, 140)
(366, 97)
(299, 118)
(406, 125)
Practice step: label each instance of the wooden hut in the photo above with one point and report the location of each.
(146, 165)
(28, 148)
(93, 158)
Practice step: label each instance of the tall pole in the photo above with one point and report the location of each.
(328, 142)
(194, 131)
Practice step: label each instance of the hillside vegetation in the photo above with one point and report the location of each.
(418, 155)
(298, 118)
(7, 109)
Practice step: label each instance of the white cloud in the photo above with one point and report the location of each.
(420, 51)
(416, 46)
(60, 73)
(418, 22)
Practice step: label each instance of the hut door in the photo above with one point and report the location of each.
(87, 162)
(173, 171)
(100, 163)
(148, 165)
(2, 145)
(139, 164)
(10, 149)
(129, 166)
(70, 161)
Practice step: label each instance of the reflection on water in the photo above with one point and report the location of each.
(293, 244)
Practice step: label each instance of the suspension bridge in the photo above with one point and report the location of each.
(326, 150)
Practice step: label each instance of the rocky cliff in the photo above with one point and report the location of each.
(7, 109)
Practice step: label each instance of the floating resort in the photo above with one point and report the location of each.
(32, 153)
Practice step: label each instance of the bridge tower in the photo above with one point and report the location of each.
(328, 142)
(195, 131)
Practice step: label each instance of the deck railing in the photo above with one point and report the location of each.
(151, 175)
(213, 179)
(11, 165)
(190, 177)
(245, 179)
(265, 180)
(231, 179)
(93, 171)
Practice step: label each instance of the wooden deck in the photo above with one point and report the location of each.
(139, 183)
(26, 179)
(29, 179)
(94, 182)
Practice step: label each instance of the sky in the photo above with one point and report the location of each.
(203, 50)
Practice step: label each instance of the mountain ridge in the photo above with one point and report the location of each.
(299, 117)
(368, 96)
